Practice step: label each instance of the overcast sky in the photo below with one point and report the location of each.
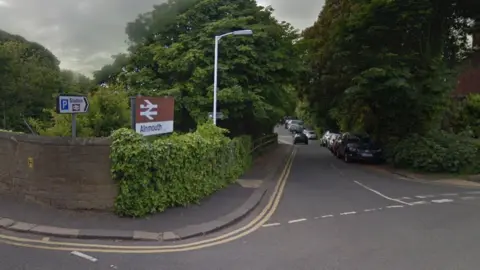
(84, 34)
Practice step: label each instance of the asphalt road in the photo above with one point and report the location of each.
(332, 215)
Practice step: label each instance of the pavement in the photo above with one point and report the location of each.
(215, 212)
(322, 214)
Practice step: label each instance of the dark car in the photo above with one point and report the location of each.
(358, 147)
(300, 137)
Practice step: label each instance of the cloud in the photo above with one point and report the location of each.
(84, 34)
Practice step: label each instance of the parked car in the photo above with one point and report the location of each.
(311, 135)
(324, 139)
(357, 147)
(332, 138)
(300, 137)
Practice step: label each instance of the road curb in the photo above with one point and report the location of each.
(180, 234)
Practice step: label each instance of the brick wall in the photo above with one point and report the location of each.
(61, 172)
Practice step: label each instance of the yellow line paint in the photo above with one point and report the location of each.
(253, 225)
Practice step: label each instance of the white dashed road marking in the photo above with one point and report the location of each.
(84, 256)
(365, 210)
(405, 198)
(419, 202)
(380, 194)
(442, 201)
(297, 220)
(271, 225)
(395, 206)
(424, 196)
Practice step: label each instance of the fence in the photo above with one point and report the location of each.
(260, 144)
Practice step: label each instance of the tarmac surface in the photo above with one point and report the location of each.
(325, 214)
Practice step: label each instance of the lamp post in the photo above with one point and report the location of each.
(215, 68)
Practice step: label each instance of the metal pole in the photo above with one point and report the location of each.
(132, 112)
(5, 115)
(214, 113)
(74, 125)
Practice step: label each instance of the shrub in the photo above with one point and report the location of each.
(176, 170)
(438, 152)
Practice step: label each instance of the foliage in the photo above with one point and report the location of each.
(108, 111)
(172, 53)
(438, 152)
(30, 79)
(174, 171)
(393, 88)
(464, 116)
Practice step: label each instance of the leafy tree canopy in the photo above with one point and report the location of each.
(172, 53)
(385, 67)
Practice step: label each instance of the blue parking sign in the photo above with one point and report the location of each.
(64, 104)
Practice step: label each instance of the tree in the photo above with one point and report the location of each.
(75, 83)
(390, 88)
(173, 55)
(30, 78)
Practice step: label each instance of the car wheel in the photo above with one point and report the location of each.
(346, 158)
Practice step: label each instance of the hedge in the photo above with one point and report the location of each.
(438, 152)
(176, 170)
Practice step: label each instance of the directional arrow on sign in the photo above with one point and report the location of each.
(86, 104)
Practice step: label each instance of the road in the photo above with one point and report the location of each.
(331, 215)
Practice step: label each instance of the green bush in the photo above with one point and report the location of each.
(438, 152)
(176, 170)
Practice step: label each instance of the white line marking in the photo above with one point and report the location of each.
(405, 198)
(370, 210)
(325, 216)
(395, 206)
(297, 220)
(347, 213)
(473, 192)
(419, 202)
(271, 225)
(113, 266)
(380, 194)
(380, 208)
(449, 194)
(468, 198)
(424, 196)
(46, 239)
(84, 256)
(442, 201)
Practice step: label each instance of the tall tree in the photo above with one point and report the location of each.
(30, 78)
(393, 87)
(173, 55)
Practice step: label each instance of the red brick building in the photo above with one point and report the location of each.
(469, 80)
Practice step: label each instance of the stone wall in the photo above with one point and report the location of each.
(60, 172)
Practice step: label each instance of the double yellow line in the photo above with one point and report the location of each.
(252, 226)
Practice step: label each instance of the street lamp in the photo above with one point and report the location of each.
(215, 68)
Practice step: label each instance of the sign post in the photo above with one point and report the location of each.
(72, 104)
(152, 115)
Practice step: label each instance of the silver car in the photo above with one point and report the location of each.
(311, 135)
